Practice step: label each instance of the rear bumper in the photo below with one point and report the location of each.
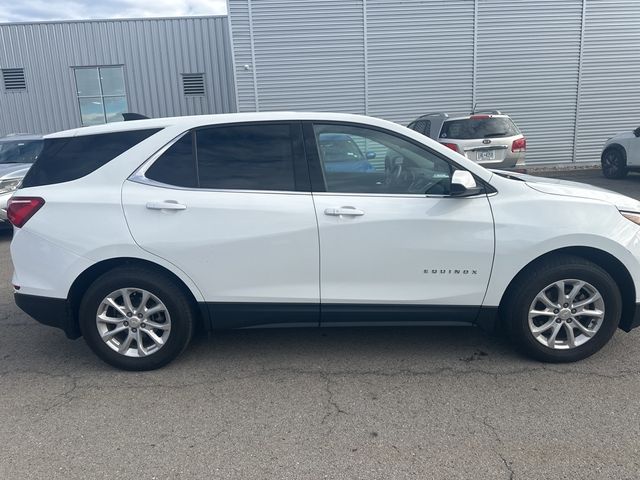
(54, 312)
(631, 321)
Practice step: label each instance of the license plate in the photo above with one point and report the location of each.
(484, 155)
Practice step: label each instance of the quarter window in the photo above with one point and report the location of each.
(385, 163)
(101, 94)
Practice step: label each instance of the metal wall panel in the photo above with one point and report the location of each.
(609, 100)
(527, 66)
(420, 57)
(308, 55)
(242, 54)
(154, 53)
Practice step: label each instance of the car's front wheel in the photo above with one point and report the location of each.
(563, 309)
(136, 319)
(614, 163)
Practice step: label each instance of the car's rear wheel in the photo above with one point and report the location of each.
(614, 163)
(563, 309)
(136, 319)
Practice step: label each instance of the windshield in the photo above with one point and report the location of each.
(470, 128)
(20, 151)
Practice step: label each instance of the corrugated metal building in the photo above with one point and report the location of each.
(567, 71)
(59, 75)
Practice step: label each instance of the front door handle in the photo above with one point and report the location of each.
(347, 211)
(166, 205)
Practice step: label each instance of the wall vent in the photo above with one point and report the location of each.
(193, 84)
(13, 79)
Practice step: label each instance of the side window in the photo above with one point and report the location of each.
(422, 126)
(382, 163)
(70, 158)
(246, 157)
(177, 165)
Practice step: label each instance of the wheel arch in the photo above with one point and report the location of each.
(603, 259)
(615, 146)
(88, 276)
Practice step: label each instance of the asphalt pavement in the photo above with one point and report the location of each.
(441, 403)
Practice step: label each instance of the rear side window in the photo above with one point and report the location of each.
(70, 158)
(176, 166)
(470, 128)
(421, 126)
(246, 157)
(236, 157)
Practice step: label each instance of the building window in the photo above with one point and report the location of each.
(193, 84)
(13, 79)
(101, 94)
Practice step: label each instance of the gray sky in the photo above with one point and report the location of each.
(36, 10)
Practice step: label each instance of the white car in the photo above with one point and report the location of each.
(17, 153)
(133, 234)
(621, 154)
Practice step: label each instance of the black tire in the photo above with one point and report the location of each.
(614, 163)
(180, 309)
(533, 280)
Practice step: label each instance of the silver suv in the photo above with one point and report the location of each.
(491, 139)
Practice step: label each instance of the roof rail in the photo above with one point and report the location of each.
(439, 114)
(487, 112)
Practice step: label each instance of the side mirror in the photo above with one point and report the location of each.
(463, 184)
(371, 155)
(636, 132)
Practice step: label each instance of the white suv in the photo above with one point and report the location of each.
(134, 234)
(621, 154)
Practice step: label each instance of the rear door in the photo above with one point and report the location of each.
(230, 206)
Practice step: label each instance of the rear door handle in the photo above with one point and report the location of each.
(166, 205)
(348, 211)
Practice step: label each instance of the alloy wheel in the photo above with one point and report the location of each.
(566, 314)
(133, 322)
(611, 163)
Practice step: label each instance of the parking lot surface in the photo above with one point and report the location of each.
(311, 404)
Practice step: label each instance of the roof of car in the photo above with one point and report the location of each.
(193, 121)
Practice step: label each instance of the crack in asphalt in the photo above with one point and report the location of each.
(494, 431)
(332, 407)
(330, 400)
(508, 465)
(455, 372)
(65, 396)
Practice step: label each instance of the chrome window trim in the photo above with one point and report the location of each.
(393, 195)
(141, 179)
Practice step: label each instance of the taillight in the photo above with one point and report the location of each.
(479, 117)
(21, 209)
(519, 145)
(452, 146)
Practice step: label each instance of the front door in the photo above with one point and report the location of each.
(228, 206)
(394, 245)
